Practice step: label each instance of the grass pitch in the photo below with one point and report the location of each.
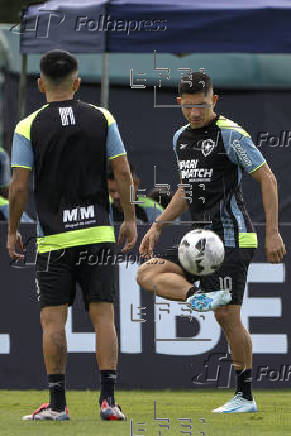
(273, 418)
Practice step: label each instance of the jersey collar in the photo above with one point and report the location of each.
(206, 127)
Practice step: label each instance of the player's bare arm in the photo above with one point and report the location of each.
(18, 194)
(275, 248)
(124, 180)
(177, 206)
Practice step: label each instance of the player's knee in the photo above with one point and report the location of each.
(52, 319)
(101, 313)
(45, 319)
(145, 276)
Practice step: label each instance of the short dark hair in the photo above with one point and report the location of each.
(200, 83)
(58, 64)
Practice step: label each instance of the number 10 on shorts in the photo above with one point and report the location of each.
(225, 283)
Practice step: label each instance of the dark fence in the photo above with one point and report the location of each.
(167, 350)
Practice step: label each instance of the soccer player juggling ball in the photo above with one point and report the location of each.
(212, 152)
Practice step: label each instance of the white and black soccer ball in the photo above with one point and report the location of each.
(201, 252)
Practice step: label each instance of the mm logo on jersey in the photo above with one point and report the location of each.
(78, 214)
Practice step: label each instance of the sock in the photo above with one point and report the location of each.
(244, 383)
(57, 390)
(192, 291)
(108, 379)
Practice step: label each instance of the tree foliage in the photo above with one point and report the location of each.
(10, 10)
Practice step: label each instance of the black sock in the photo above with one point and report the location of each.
(108, 379)
(57, 390)
(244, 383)
(191, 291)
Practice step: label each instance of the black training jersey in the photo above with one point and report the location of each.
(211, 160)
(68, 145)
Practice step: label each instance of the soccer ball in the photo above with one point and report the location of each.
(201, 252)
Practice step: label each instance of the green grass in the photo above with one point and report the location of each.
(273, 418)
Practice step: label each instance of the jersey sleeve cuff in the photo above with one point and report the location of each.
(117, 155)
(20, 166)
(255, 169)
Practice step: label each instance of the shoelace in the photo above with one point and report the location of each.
(116, 408)
(44, 406)
(234, 401)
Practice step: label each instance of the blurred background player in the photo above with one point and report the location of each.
(146, 211)
(4, 188)
(4, 184)
(212, 150)
(68, 144)
(163, 198)
(4, 173)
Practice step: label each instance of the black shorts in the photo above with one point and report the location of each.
(91, 266)
(232, 273)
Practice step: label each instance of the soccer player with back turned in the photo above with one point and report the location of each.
(68, 143)
(212, 152)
